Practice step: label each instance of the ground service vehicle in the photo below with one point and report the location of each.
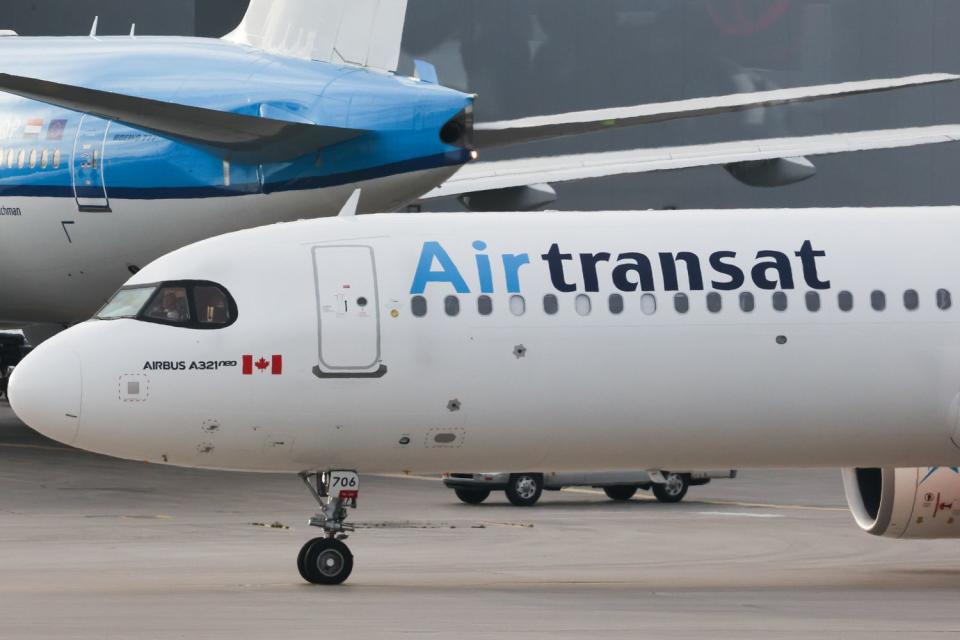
(525, 489)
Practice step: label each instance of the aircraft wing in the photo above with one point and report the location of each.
(361, 32)
(528, 172)
(242, 137)
(496, 134)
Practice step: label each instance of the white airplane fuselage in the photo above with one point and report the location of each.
(488, 377)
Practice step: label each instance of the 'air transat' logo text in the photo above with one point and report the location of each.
(629, 271)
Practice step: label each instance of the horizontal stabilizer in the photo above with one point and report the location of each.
(243, 138)
(359, 32)
(505, 174)
(497, 134)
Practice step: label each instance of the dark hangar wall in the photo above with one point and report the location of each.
(540, 56)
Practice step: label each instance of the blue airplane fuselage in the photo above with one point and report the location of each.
(85, 201)
(403, 118)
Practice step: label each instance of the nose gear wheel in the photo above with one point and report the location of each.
(327, 560)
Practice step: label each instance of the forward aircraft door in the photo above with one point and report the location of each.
(89, 185)
(348, 310)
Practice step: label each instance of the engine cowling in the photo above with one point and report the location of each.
(920, 503)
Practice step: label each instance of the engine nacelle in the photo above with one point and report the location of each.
(905, 503)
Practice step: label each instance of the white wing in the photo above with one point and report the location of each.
(494, 134)
(506, 174)
(361, 32)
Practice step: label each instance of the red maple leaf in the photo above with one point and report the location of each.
(262, 364)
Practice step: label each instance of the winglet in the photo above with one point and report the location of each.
(425, 72)
(93, 29)
(350, 207)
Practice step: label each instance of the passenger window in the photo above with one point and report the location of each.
(11, 158)
(518, 305)
(550, 304)
(780, 301)
(44, 159)
(813, 301)
(681, 303)
(21, 159)
(57, 156)
(484, 305)
(169, 305)
(648, 304)
(714, 302)
(616, 304)
(944, 300)
(451, 305)
(878, 300)
(583, 305)
(845, 299)
(747, 302)
(33, 158)
(911, 300)
(212, 305)
(418, 306)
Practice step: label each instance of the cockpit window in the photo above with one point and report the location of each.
(169, 305)
(189, 304)
(212, 304)
(127, 303)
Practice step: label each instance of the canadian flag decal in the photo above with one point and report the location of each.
(274, 364)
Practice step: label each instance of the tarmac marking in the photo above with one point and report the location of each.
(39, 447)
(739, 514)
(731, 503)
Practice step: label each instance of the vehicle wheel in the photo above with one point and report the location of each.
(675, 488)
(621, 493)
(524, 489)
(472, 496)
(325, 561)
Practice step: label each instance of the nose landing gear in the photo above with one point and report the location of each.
(326, 559)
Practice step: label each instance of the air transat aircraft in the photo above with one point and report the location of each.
(116, 150)
(538, 341)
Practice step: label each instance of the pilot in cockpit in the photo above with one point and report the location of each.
(171, 307)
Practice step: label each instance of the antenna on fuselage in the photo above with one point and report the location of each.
(350, 207)
(93, 29)
(133, 30)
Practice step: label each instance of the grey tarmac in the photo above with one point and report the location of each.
(95, 548)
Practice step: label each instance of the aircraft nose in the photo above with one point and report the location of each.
(45, 392)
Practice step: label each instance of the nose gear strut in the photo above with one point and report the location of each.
(326, 559)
